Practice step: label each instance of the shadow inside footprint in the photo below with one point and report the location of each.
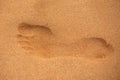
(96, 48)
(34, 38)
(27, 29)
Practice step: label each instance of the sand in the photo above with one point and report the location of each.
(59, 40)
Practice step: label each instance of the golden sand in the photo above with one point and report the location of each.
(59, 40)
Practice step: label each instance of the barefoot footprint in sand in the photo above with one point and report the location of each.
(41, 41)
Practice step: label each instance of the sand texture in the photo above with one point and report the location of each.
(59, 40)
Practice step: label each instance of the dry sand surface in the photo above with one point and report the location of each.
(59, 39)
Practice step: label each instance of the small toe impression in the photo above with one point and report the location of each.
(96, 48)
(23, 38)
(24, 43)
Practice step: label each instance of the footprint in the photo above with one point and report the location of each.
(95, 48)
(41, 41)
(35, 39)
